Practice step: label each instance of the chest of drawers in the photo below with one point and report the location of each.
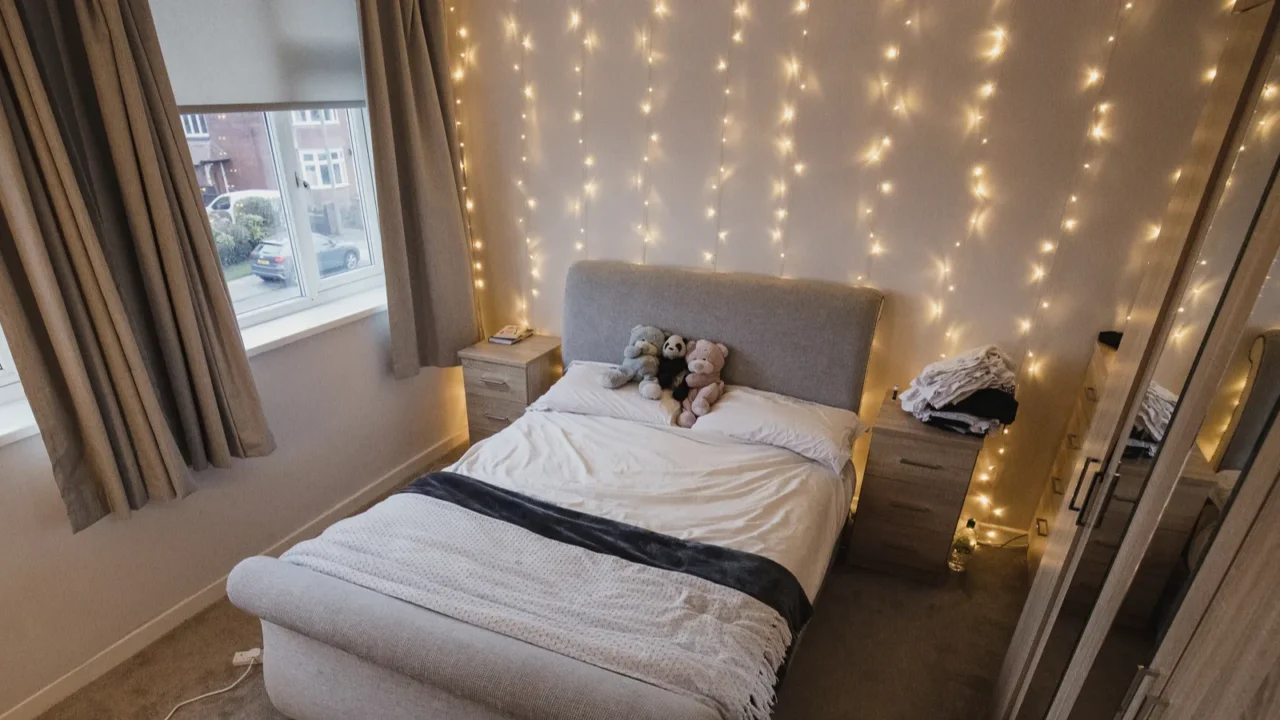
(501, 380)
(912, 495)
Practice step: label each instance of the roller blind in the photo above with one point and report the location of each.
(261, 52)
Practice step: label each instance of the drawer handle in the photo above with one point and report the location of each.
(912, 507)
(1073, 441)
(1057, 485)
(916, 463)
(494, 382)
(1091, 394)
(1042, 527)
(498, 418)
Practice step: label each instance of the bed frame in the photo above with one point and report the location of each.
(334, 650)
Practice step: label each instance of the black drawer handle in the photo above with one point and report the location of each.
(912, 507)
(1073, 441)
(1091, 394)
(1088, 496)
(498, 418)
(1042, 527)
(1057, 485)
(916, 463)
(494, 382)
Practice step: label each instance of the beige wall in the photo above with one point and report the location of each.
(1038, 120)
(341, 422)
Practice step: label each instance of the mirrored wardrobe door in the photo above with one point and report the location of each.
(1067, 568)
(1222, 659)
(1199, 423)
(1242, 353)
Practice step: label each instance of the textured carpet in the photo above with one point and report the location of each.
(878, 648)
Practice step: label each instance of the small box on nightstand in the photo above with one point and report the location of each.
(912, 494)
(501, 380)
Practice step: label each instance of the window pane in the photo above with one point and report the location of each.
(237, 174)
(335, 207)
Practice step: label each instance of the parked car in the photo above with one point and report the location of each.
(273, 260)
(226, 202)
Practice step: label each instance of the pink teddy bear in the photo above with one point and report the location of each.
(705, 360)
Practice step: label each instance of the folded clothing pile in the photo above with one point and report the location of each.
(971, 393)
(1154, 413)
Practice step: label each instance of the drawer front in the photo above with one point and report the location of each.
(947, 469)
(879, 545)
(913, 505)
(500, 382)
(488, 416)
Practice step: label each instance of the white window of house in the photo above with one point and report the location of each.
(9, 387)
(291, 204)
(323, 168)
(316, 116)
(194, 126)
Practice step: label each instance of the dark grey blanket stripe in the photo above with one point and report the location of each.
(761, 578)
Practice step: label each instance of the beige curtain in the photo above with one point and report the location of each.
(430, 288)
(111, 293)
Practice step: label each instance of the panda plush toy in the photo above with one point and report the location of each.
(671, 368)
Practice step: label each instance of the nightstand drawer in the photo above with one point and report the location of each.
(911, 504)
(882, 545)
(492, 380)
(946, 468)
(486, 416)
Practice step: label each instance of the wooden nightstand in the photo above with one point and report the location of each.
(912, 495)
(501, 380)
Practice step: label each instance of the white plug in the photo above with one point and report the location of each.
(247, 657)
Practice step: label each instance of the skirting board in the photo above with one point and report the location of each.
(133, 643)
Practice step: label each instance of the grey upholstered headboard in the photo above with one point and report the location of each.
(805, 338)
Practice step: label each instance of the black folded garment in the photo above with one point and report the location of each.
(955, 426)
(990, 403)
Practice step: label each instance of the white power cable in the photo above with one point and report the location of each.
(228, 688)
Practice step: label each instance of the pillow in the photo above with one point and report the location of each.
(579, 391)
(818, 432)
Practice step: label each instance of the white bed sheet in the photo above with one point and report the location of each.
(756, 498)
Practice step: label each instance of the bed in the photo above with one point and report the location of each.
(353, 637)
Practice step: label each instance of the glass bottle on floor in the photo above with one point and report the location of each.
(963, 546)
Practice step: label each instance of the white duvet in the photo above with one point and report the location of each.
(757, 498)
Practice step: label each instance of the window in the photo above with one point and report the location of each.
(291, 207)
(327, 116)
(9, 387)
(194, 126)
(323, 168)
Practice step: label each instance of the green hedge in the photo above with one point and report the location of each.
(255, 219)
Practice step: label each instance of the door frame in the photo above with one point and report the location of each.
(1221, 128)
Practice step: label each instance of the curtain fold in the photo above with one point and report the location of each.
(426, 247)
(111, 294)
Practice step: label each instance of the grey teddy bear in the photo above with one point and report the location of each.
(639, 360)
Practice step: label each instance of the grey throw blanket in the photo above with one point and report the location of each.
(671, 629)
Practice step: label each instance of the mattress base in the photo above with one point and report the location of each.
(335, 650)
(308, 680)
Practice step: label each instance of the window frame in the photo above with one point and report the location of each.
(315, 290)
(200, 123)
(10, 384)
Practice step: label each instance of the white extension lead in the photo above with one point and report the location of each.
(228, 688)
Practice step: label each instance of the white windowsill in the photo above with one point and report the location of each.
(18, 423)
(293, 327)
